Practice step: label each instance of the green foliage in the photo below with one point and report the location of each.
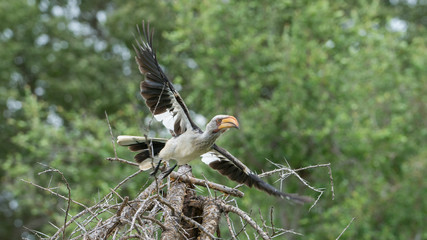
(310, 82)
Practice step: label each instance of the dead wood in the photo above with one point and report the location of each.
(175, 197)
(168, 210)
(211, 217)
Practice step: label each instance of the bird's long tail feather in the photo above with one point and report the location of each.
(147, 149)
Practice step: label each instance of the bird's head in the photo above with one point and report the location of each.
(222, 123)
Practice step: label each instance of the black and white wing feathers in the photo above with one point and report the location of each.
(157, 90)
(228, 165)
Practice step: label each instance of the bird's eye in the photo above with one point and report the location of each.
(218, 122)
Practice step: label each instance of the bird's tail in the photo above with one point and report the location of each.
(147, 149)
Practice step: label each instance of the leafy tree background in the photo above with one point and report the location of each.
(310, 81)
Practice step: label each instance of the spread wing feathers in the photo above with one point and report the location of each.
(143, 146)
(158, 92)
(228, 165)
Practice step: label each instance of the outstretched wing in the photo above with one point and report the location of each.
(228, 165)
(157, 90)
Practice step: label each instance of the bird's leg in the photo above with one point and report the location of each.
(156, 169)
(169, 171)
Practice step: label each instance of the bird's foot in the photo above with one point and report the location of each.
(156, 169)
(169, 171)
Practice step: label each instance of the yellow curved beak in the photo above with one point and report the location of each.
(229, 122)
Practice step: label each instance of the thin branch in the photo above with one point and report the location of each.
(124, 203)
(315, 202)
(345, 229)
(50, 169)
(135, 216)
(244, 224)
(111, 133)
(303, 181)
(97, 205)
(198, 225)
(262, 220)
(332, 181)
(168, 204)
(230, 226)
(73, 219)
(37, 233)
(79, 226)
(205, 183)
(123, 161)
(164, 228)
(192, 180)
(282, 169)
(271, 221)
(245, 216)
(54, 193)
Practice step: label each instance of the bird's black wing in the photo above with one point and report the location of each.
(228, 165)
(157, 90)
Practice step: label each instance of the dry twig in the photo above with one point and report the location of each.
(141, 215)
(246, 217)
(50, 169)
(348, 225)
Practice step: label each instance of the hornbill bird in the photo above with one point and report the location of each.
(188, 141)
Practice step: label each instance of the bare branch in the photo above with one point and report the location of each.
(50, 169)
(192, 180)
(348, 225)
(113, 140)
(282, 169)
(205, 183)
(164, 228)
(245, 216)
(123, 161)
(54, 193)
(198, 225)
(97, 205)
(140, 215)
(230, 227)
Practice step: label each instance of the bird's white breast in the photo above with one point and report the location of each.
(184, 148)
